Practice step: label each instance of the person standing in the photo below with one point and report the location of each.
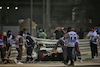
(93, 41)
(63, 42)
(58, 33)
(42, 34)
(71, 37)
(19, 44)
(30, 43)
(9, 43)
(4, 39)
(2, 49)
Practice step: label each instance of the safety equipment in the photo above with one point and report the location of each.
(72, 29)
(41, 30)
(23, 48)
(68, 29)
(93, 28)
(55, 51)
(25, 40)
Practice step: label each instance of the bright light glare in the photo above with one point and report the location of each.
(0, 7)
(8, 7)
(16, 8)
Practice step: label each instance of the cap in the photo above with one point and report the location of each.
(93, 27)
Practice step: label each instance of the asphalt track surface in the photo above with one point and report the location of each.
(88, 63)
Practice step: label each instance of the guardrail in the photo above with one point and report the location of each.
(84, 45)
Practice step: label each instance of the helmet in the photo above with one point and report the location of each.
(41, 30)
(9, 32)
(28, 33)
(93, 28)
(73, 29)
(68, 29)
(21, 33)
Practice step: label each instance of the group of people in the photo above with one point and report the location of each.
(22, 40)
(69, 42)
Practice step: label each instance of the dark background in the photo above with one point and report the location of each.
(87, 13)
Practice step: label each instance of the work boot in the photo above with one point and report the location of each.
(3, 61)
(65, 63)
(8, 61)
(19, 62)
(72, 64)
(92, 57)
(96, 55)
(81, 61)
(15, 60)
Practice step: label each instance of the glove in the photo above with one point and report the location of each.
(25, 40)
(23, 47)
(37, 43)
(55, 51)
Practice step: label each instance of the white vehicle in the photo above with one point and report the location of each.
(45, 48)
